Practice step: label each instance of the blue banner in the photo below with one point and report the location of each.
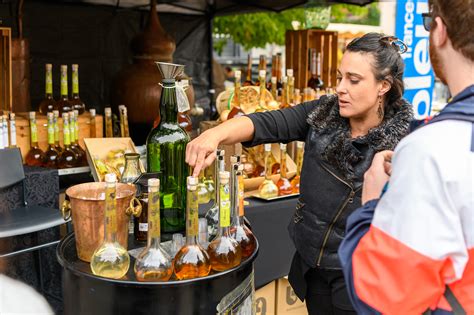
(419, 76)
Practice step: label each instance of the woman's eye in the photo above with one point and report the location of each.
(354, 81)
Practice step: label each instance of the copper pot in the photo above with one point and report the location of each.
(87, 206)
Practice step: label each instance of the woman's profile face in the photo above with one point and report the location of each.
(357, 88)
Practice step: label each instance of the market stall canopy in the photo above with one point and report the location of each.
(214, 7)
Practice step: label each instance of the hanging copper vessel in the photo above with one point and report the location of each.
(136, 86)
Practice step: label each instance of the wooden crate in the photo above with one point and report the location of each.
(23, 130)
(298, 44)
(5, 69)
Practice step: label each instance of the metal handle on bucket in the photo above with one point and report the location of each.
(66, 210)
(135, 208)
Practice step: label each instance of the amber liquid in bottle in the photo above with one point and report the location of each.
(248, 79)
(212, 215)
(63, 103)
(56, 131)
(263, 90)
(268, 189)
(290, 87)
(92, 121)
(283, 184)
(240, 232)
(48, 104)
(153, 263)
(262, 65)
(295, 182)
(35, 156)
(109, 132)
(75, 102)
(67, 158)
(51, 154)
(236, 111)
(224, 251)
(191, 261)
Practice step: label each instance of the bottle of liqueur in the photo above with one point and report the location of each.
(75, 101)
(279, 73)
(12, 130)
(210, 184)
(283, 184)
(262, 65)
(268, 189)
(51, 154)
(92, 121)
(212, 215)
(248, 79)
(315, 82)
(291, 87)
(34, 157)
(109, 131)
(110, 259)
(224, 251)
(284, 93)
(63, 103)
(236, 110)
(240, 232)
(274, 89)
(203, 193)
(48, 104)
(270, 83)
(153, 263)
(56, 131)
(67, 158)
(295, 182)
(192, 261)
(261, 78)
(166, 148)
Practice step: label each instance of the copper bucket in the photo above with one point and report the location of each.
(87, 205)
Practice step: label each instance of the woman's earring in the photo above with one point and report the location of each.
(380, 110)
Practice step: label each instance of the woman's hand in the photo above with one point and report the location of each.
(201, 152)
(377, 176)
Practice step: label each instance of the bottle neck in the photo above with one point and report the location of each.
(237, 92)
(313, 65)
(283, 163)
(12, 133)
(34, 133)
(154, 228)
(56, 132)
(278, 68)
(72, 131)
(268, 165)
(192, 226)
(224, 209)
(110, 226)
(249, 69)
(67, 134)
(49, 84)
(168, 104)
(51, 132)
(75, 84)
(64, 92)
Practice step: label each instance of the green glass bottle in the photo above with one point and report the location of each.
(166, 149)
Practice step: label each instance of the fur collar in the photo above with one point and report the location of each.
(342, 151)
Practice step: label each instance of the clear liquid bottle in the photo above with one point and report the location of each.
(268, 189)
(110, 260)
(239, 231)
(236, 111)
(295, 182)
(35, 156)
(283, 184)
(192, 261)
(212, 215)
(153, 263)
(224, 251)
(51, 154)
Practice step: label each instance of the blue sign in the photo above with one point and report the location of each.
(419, 76)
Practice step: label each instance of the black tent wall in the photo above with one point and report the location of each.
(97, 38)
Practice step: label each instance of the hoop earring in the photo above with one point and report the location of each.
(380, 110)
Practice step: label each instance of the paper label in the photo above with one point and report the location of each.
(34, 131)
(143, 227)
(224, 211)
(192, 220)
(110, 210)
(182, 99)
(154, 214)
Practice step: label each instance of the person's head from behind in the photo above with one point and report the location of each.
(370, 77)
(451, 26)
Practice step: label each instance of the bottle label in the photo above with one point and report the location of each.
(50, 133)
(64, 83)
(12, 133)
(34, 131)
(67, 136)
(56, 130)
(241, 195)
(154, 214)
(110, 210)
(72, 131)
(193, 223)
(49, 82)
(75, 82)
(143, 227)
(224, 211)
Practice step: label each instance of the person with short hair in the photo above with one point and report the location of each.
(411, 251)
(342, 133)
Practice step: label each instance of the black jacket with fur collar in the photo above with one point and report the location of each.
(333, 168)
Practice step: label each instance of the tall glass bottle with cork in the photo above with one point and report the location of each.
(268, 189)
(192, 261)
(224, 251)
(75, 101)
(63, 103)
(236, 111)
(153, 263)
(48, 104)
(110, 260)
(166, 149)
(212, 215)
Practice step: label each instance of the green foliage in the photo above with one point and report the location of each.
(259, 29)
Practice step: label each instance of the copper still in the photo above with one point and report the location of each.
(87, 206)
(136, 85)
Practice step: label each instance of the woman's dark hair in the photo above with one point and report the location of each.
(388, 64)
